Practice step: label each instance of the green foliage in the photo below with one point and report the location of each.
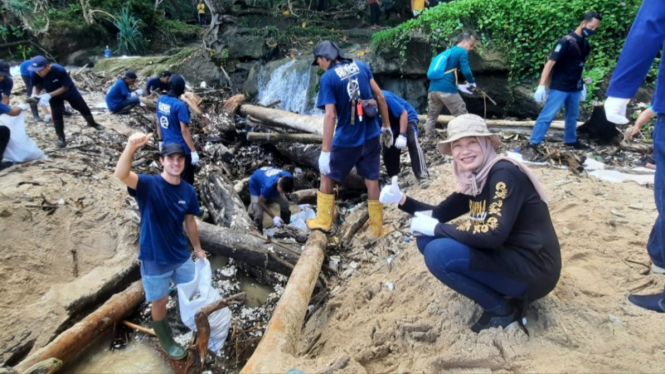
(178, 29)
(524, 31)
(130, 37)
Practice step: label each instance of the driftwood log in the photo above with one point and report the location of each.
(250, 248)
(558, 125)
(352, 224)
(68, 344)
(271, 137)
(224, 204)
(299, 122)
(281, 336)
(48, 366)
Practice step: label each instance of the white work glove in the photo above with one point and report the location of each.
(34, 96)
(133, 94)
(324, 163)
(471, 86)
(391, 194)
(160, 145)
(464, 88)
(615, 110)
(47, 118)
(423, 224)
(400, 142)
(541, 94)
(44, 100)
(277, 221)
(195, 158)
(23, 106)
(583, 94)
(140, 92)
(386, 137)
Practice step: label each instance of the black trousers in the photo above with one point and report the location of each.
(5, 135)
(188, 172)
(202, 19)
(391, 155)
(58, 107)
(374, 13)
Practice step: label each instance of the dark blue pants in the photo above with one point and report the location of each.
(656, 244)
(126, 105)
(449, 261)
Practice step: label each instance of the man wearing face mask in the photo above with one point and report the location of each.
(561, 85)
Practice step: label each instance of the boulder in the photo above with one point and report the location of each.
(63, 39)
(413, 90)
(387, 61)
(248, 47)
(84, 57)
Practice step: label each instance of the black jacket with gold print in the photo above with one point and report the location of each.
(509, 228)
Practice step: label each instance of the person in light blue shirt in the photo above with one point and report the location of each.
(120, 99)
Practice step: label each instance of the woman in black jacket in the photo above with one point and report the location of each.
(507, 253)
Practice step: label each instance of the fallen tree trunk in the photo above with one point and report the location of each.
(559, 125)
(299, 122)
(68, 344)
(304, 196)
(252, 249)
(308, 156)
(269, 137)
(224, 204)
(280, 339)
(352, 224)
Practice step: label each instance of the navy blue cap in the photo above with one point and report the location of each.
(4, 69)
(37, 63)
(130, 75)
(171, 148)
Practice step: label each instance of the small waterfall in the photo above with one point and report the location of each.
(290, 83)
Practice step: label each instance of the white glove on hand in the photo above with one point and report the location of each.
(423, 225)
(304, 206)
(47, 118)
(195, 158)
(471, 86)
(386, 137)
(583, 94)
(23, 106)
(133, 94)
(277, 221)
(541, 94)
(140, 92)
(160, 145)
(615, 110)
(464, 88)
(391, 194)
(324, 163)
(400, 142)
(44, 100)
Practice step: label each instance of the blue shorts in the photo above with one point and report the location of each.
(366, 158)
(157, 278)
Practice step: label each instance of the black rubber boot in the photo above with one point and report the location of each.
(60, 131)
(91, 122)
(35, 111)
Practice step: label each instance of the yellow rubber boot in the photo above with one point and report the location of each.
(325, 209)
(375, 209)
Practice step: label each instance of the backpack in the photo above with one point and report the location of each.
(437, 68)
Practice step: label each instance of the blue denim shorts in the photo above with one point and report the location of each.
(157, 278)
(366, 158)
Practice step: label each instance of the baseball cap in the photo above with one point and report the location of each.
(37, 63)
(165, 73)
(130, 75)
(171, 148)
(4, 69)
(328, 50)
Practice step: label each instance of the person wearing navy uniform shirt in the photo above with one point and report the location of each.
(25, 76)
(120, 98)
(268, 185)
(157, 84)
(173, 118)
(645, 40)
(6, 82)
(58, 86)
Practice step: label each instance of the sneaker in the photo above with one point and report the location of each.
(531, 153)
(488, 320)
(5, 164)
(657, 269)
(655, 302)
(578, 145)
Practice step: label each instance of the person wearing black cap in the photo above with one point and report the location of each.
(58, 87)
(173, 119)
(120, 99)
(165, 204)
(157, 84)
(6, 83)
(349, 138)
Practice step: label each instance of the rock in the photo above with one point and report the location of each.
(413, 90)
(566, 231)
(636, 206)
(387, 61)
(617, 213)
(491, 61)
(83, 57)
(250, 47)
(63, 39)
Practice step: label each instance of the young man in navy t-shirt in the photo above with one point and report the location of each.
(173, 124)
(6, 83)
(344, 84)
(268, 185)
(158, 84)
(120, 98)
(165, 204)
(25, 76)
(403, 123)
(58, 87)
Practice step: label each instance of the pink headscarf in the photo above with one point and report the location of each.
(472, 182)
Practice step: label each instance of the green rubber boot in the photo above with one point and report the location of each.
(165, 335)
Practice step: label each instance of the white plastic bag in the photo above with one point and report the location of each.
(199, 293)
(20, 148)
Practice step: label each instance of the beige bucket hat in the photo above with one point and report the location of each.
(463, 126)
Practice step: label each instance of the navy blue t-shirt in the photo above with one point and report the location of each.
(24, 67)
(4, 109)
(55, 79)
(155, 84)
(170, 112)
(334, 88)
(163, 207)
(264, 182)
(397, 105)
(6, 86)
(118, 93)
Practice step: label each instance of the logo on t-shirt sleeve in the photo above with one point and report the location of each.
(558, 48)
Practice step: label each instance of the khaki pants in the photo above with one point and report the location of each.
(435, 103)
